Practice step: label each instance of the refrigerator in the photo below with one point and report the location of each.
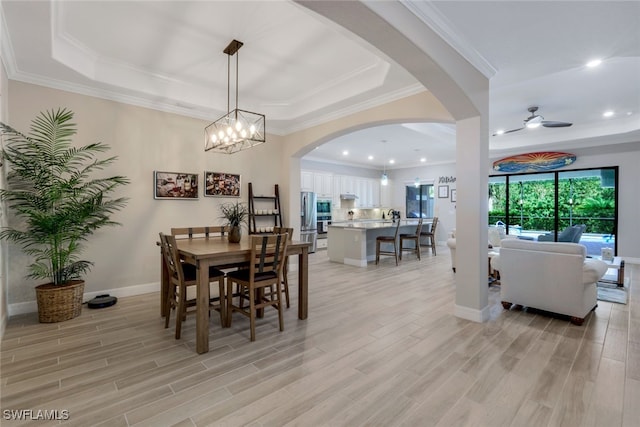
(309, 219)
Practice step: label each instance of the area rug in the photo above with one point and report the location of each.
(612, 293)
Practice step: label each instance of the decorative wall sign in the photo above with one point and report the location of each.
(446, 179)
(219, 184)
(534, 162)
(175, 185)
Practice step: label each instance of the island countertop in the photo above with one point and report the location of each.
(373, 224)
(354, 242)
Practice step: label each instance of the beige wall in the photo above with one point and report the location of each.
(3, 216)
(144, 140)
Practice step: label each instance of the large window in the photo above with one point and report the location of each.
(535, 204)
(419, 201)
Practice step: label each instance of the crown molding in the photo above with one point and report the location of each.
(435, 20)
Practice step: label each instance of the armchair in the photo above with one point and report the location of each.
(549, 276)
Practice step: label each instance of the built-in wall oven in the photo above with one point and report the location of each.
(324, 215)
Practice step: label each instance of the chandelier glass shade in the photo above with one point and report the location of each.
(238, 129)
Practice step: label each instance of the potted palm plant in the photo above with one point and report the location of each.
(58, 205)
(235, 214)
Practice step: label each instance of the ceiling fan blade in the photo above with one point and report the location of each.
(508, 131)
(550, 124)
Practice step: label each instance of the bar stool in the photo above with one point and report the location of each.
(380, 240)
(411, 237)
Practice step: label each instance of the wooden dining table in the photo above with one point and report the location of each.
(217, 251)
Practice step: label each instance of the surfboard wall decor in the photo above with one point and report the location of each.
(534, 162)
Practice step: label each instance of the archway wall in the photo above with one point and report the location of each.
(421, 107)
(406, 39)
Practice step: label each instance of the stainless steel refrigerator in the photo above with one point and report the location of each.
(309, 219)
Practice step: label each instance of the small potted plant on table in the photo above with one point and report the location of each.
(50, 189)
(235, 214)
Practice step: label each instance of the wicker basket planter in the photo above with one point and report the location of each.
(61, 302)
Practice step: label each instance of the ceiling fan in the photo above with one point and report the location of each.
(534, 121)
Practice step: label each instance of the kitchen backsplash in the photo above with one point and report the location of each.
(343, 214)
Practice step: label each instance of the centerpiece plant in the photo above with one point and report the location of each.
(58, 203)
(235, 214)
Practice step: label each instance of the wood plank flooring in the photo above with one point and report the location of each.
(381, 347)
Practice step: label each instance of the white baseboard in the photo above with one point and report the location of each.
(32, 306)
(472, 314)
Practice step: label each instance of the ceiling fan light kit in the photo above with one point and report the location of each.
(535, 121)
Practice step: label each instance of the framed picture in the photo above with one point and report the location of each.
(219, 184)
(443, 191)
(175, 185)
(453, 195)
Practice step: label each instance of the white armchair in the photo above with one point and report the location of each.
(554, 277)
(496, 236)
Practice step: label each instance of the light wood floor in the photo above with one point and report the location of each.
(381, 347)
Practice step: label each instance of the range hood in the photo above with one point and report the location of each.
(348, 196)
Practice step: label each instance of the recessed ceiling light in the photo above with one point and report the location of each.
(423, 159)
(629, 113)
(370, 157)
(594, 63)
(392, 161)
(345, 153)
(608, 114)
(499, 131)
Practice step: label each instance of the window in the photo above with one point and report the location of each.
(419, 201)
(540, 206)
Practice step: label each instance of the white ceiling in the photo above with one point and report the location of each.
(301, 69)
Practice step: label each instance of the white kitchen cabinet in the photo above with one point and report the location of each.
(375, 193)
(306, 181)
(323, 184)
(348, 185)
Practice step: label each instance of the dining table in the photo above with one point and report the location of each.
(217, 251)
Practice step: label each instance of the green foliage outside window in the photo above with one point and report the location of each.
(581, 200)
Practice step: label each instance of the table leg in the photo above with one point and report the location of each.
(202, 307)
(303, 283)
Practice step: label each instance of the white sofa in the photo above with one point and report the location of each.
(496, 236)
(554, 277)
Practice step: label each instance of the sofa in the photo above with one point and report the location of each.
(572, 234)
(496, 236)
(551, 276)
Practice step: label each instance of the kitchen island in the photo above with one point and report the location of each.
(354, 242)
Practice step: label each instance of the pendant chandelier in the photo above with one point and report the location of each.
(238, 129)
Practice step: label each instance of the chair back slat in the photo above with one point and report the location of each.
(207, 231)
(397, 230)
(171, 258)
(267, 253)
(419, 227)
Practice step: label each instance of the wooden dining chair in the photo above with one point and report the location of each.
(182, 277)
(387, 240)
(415, 238)
(431, 235)
(257, 283)
(191, 232)
(285, 268)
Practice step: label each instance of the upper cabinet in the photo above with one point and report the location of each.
(306, 181)
(320, 183)
(323, 184)
(329, 186)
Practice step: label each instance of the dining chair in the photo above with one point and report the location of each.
(415, 237)
(182, 278)
(256, 283)
(285, 268)
(431, 235)
(386, 240)
(191, 232)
